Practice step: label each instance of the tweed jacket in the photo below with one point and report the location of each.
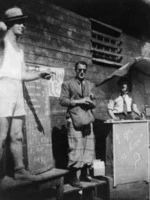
(71, 90)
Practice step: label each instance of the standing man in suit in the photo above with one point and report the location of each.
(77, 93)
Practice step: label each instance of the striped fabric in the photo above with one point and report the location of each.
(81, 146)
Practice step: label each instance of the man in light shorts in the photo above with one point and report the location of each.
(12, 74)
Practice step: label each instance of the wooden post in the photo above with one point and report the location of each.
(60, 188)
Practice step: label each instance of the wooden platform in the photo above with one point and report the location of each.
(98, 190)
(54, 178)
(86, 185)
(50, 185)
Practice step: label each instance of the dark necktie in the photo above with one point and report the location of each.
(125, 111)
(82, 88)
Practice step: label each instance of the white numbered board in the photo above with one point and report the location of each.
(131, 145)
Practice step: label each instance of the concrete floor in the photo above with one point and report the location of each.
(130, 191)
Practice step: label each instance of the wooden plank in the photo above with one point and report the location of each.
(96, 41)
(60, 189)
(58, 30)
(67, 66)
(50, 20)
(46, 3)
(107, 62)
(52, 57)
(51, 174)
(106, 52)
(62, 37)
(33, 14)
(86, 185)
(45, 9)
(54, 45)
(47, 61)
(45, 23)
(107, 36)
(106, 25)
(10, 183)
(60, 9)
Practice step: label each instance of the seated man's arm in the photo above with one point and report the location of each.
(136, 110)
(134, 107)
(110, 108)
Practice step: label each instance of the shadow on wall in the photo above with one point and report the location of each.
(100, 131)
(6, 164)
(60, 146)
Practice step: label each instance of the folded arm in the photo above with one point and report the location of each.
(66, 100)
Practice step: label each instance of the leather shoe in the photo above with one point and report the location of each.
(86, 178)
(73, 180)
(75, 183)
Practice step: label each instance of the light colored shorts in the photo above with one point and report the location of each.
(11, 98)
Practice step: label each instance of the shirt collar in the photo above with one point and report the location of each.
(80, 82)
(124, 93)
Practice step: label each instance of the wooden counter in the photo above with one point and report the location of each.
(127, 146)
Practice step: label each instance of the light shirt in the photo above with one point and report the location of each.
(12, 62)
(116, 103)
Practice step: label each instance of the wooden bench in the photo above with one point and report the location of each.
(19, 189)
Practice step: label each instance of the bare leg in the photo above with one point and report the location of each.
(16, 142)
(4, 126)
(17, 151)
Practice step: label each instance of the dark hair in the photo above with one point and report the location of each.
(80, 63)
(122, 80)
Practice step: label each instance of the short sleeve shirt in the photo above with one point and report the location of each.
(116, 102)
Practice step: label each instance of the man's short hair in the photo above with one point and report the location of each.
(80, 63)
(123, 80)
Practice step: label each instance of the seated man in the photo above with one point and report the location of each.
(121, 104)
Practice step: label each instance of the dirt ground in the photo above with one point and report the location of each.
(130, 191)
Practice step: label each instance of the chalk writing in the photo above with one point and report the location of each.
(37, 122)
(127, 134)
(137, 157)
(131, 152)
(118, 138)
(134, 145)
(124, 156)
(41, 160)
